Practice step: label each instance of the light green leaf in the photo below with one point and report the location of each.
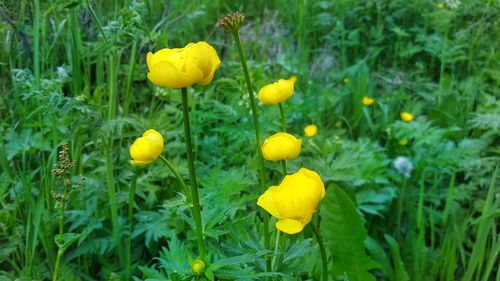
(399, 268)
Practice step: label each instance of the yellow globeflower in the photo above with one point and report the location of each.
(294, 200)
(278, 91)
(310, 130)
(281, 146)
(183, 67)
(407, 117)
(440, 5)
(367, 101)
(146, 148)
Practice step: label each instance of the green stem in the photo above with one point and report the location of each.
(258, 139)
(130, 77)
(178, 176)
(192, 175)
(131, 202)
(400, 209)
(58, 261)
(36, 44)
(112, 198)
(283, 120)
(276, 244)
(284, 168)
(321, 250)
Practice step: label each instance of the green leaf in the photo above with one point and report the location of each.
(68, 239)
(345, 235)
(399, 268)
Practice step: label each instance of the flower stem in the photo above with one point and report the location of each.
(284, 168)
(258, 138)
(61, 233)
(58, 261)
(192, 175)
(276, 244)
(178, 176)
(283, 120)
(400, 209)
(131, 202)
(321, 250)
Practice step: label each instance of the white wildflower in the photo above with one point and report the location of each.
(403, 165)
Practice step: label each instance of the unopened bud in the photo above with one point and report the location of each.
(198, 267)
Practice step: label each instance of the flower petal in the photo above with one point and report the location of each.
(290, 226)
(266, 201)
(166, 74)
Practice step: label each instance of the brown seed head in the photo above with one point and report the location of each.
(232, 22)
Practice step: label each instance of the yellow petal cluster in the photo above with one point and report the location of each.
(406, 116)
(367, 101)
(146, 148)
(277, 92)
(310, 130)
(294, 200)
(281, 146)
(182, 67)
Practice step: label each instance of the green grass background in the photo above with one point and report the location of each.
(74, 72)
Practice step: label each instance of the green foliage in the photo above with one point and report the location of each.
(345, 236)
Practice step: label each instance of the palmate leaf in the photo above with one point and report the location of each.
(345, 235)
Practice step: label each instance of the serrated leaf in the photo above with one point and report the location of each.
(345, 235)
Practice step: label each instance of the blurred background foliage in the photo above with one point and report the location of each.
(434, 218)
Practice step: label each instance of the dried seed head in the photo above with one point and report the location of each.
(232, 22)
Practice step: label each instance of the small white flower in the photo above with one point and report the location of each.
(452, 4)
(62, 72)
(403, 165)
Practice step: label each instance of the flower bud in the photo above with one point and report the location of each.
(281, 146)
(198, 267)
(407, 117)
(277, 92)
(146, 148)
(310, 130)
(367, 101)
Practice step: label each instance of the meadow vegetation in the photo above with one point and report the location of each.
(404, 96)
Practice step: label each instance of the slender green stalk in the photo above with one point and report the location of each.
(131, 202)
(61, 233)
(76, 75)
(400, 209)
(276, 245)
(284, 168)
(130, 76)
(36, 44)
(321, 250)
(178, 176)
(192, 175)
(283, 120)
(258, 138)
(58, 261)
(112, 199)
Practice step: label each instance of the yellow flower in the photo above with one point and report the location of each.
(310, 130)
(367, 101)
(278, 91)
(440, 5)
(183, 67)
(407, 117)
(281, 146)
(346, 80)
(404, 142)
(146, 148)
(294, 200)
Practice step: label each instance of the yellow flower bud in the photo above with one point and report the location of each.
(404, 142)
(310, 130)
(278, 91)
(294, 200)
(183, 67)
(281, 146)
(346, 80)
(440, 5)
(146, 148)
(367, 101)
(407, 117)
(198, 267)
